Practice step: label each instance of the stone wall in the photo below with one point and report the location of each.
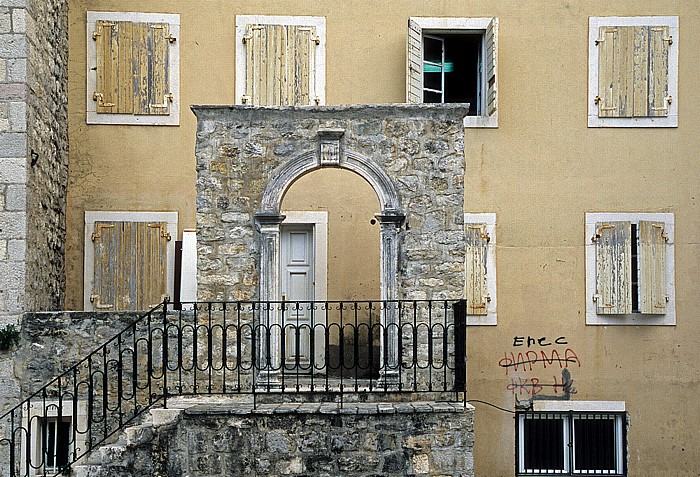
(311, 440)
(420, 147)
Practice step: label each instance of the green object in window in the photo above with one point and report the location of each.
(433, 68)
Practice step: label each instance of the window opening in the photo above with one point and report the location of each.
(55, 439)
(452, 69)
(635, 268)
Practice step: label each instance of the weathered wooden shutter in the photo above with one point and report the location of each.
(130, 265)
(132, 68)
(652, 267)
(491, 62)
(114, 84)
(613, 268)
(151, 75)
(633, 71)
(476, 290)
(414, 63)
(280, 66)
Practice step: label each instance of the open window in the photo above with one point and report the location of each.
(454, 60)
(133, 68)
(629, 268)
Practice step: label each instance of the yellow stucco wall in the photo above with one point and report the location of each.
(534, 172)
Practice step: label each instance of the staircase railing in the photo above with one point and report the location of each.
(253, 348)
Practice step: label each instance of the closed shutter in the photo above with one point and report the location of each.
(414, 63)
(132, 71)
(280, 65)
(613, 268)
(652, 267)
(114, 73)
(151, 77)
(476, 291)
(130, 269)
(491, 39)
(633, 71)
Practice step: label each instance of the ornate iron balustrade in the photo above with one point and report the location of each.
(228, 348)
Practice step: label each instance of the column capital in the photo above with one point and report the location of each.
(391, 217)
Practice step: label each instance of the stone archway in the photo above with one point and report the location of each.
(331, 153)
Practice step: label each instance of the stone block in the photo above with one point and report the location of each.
(16, 250)
(5, 20)
(13, 45)
(13, 3)
(18, 116)
(19, 23)
(17, 70)
(4, 117)
(13, 144)
(13, 225)
(15, 198)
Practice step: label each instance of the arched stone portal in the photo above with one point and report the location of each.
(331, 153)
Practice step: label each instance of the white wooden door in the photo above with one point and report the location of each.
(298, 293)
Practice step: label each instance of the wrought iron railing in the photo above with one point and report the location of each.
(249, 348)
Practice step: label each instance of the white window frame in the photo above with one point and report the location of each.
(172, 119)
(120, 216)
(594, 24)
(430, 25)
(563, 409)
(242, 22)
(592, 317)
(491, 316)
(31, 420)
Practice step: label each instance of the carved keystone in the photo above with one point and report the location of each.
(329, 150)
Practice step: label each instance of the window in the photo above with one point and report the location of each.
(133, 68)
(454, 60)
(53, 435)
(571, 443)
(629, 269)
(633, 72)
(280, 60)
(129, 259)
(480, 283)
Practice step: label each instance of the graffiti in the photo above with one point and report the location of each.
(532, 360)
(542, 342)
(523, 387)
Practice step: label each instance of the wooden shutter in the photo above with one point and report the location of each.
(633, 71)
(613, 268)
(114, 85)
(151, 75)
(130, 269)
(476, 293)
(280, 66)
(414, 63)
(652, 267)
(491, 62)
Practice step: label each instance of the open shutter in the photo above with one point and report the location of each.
(280, 67)
(130, 265)
(613, 268)
(476, 293)
(114, 88)
(414, 63)
(491, 62)
(652, 267)
(151, 69)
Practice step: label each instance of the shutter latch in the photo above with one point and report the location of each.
(163, 232)
(95, 299)
(167, 98)
(99, 97)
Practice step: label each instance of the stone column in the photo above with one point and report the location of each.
(390, 233)
(269, 359)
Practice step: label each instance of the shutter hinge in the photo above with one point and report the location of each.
(316, 40)
(99, 97)
(101, 25)
(167, 99)
(668, 39)
(95, 299)
(482, 232)
(599, 230)
(98, 230)
(163, 297)
(170, 38)
(317, 100)
(599, 41)
(596, 299)
(163, 232)
(245, 99)
(664, 235)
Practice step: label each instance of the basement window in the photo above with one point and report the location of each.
(454, 60)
